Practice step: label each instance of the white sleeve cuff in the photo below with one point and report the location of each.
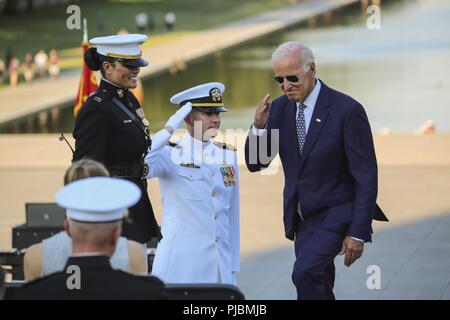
(358, 239)
(258, 132)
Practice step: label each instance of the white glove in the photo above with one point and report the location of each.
(160, 138)
(176, 119)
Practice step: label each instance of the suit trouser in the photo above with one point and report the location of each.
(315, 249)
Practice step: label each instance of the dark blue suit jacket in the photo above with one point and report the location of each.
(337, 170)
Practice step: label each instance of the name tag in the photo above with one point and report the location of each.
(190, 165)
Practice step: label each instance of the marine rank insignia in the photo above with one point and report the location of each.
(190, 165)
(228, 174)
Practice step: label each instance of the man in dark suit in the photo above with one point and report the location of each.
(326, 148)
(95, 208)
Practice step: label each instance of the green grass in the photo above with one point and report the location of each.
(45, 27)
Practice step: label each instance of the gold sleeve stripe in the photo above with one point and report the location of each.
(124, 56)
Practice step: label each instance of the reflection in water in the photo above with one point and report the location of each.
(399, 72)
(31, 121)
(55, 115)
(55, 119)
(43, 117)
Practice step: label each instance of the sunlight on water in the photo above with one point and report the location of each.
(399, 72)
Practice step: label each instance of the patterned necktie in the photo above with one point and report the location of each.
(301, 137)
(301, 127)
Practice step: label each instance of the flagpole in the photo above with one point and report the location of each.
(85, 31)
(88, 82)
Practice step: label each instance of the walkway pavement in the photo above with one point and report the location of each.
(411, 253)
(41, 95)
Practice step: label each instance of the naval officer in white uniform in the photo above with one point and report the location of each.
(199, 182)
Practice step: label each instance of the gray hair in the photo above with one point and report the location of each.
(305, 54)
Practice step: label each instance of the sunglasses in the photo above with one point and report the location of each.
(291, 78)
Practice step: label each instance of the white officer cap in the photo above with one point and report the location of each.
(124, 47)
(205, 97)
(98, 199)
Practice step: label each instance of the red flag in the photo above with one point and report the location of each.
(88, 84)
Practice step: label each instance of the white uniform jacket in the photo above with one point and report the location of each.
(199, 185)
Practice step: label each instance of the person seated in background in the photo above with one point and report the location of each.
(51, 255)
(41, 60)
(95, 208)
(28, 67)
(428, 127)
(2, 70)
(170, 19)
(53, 63)
(2, 283)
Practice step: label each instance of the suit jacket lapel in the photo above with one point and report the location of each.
(318, 119)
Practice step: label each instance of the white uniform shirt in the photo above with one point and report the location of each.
(199, 185)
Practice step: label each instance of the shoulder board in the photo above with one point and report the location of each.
(225, 146)
(173, 145)
(99, 95)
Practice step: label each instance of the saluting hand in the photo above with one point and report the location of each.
(175, 120)
(353, 250)
(262, 113)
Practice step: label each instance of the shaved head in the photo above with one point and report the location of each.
(97, 237)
